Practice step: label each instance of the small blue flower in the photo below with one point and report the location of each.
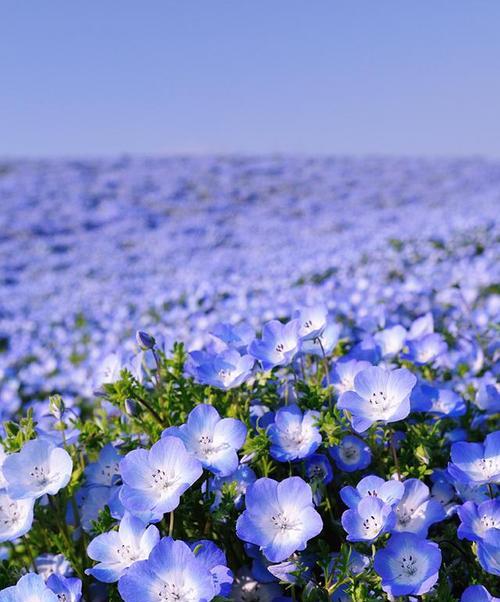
(476, 462)
(225, 370)
(116, 551)
(237, 336)
(324, 343)
(343, 373)
(106, 471)
(417, 510)
(480, 523)
(172, 572)
(214, 560)
(279, 517)
(408, 565)
(154, 480)
(294, 435)
(67, 589)
(318, 468)
(30, 588)
(477, 593)
(488, 398)
(351, 454)
(312, 320)
(371, 518)
(426, 349)
(39, 468)
(214, 441)
(390, 341)
(279, 344)
(435, 400)
(390, 492)
(16, 517)
(379, 395)
(240, 479)
(489, 557)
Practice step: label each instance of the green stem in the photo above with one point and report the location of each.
(171, 525)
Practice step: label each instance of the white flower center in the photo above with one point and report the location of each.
(171, 592)
(371, 526)
(409, 565)
(282, 522)
(489, 522)
(126, 554)
(349, 453)
(40, 476)
(164, 480)
(207, 447)
(10, 514)
(108, 471)
(380, 400)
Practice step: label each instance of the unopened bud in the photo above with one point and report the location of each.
(144, 340)
(56, 406)
(131, 407)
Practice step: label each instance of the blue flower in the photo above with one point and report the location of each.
(225, 370)
(408, 565)
(476, 462)
(106, 471)
(343, 373)
(489, 557)
(279, 517)
(214, 441)
(318, 468)
(324, 343)
(154, 480)
(247, 588)
(172, 572)
(379, 395)
(116, 551)
(16, 517)
(279, 344)
(312, 321)
(390, 340)
(293, 435)
(390, 492)
(371, 518)
(238, 336)
(351, 454)
(239, 480)
(480, 523)
(214, 560)
(39, 468)
(426, 349)
(435, 400)
(67, 589)
(30, 588)
(417, 511)
(477, 593)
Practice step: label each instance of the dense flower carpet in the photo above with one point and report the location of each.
(250, 379)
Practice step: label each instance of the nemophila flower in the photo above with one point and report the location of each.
(260, 564)
(39, 468)
(390, 340)
(356, 564)
(30, 588)
(279, 517)
(488, 556)
(214, 560)
(237, 482)
(368, 520)
(67, 589)
(343, 373)
(225, 370)
(318, 468)
(436, 400)
(237, 336)
(172, 572)
(154, 480)
(91, 500)
(16, 516)
(247, 589)
(116, 551)
(379, 395)
(421, 326)
(323, 343)
(488, 398)
(312, 320)
(50, 564)
(293, 435)
(212, 439)
(476, 462)
(408, 565)
(106, 471)
(480, 523)
(110, 368)
(426, 349)
(477, 593)
(417, 510)
(390, 492)
(351, 454)
(279, 344)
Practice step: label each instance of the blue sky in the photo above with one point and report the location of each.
(352, 77)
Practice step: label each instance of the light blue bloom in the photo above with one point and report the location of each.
(279, 517)
(154, 480)
(279, 344)
(408, 565)
(477, 593)
(390, 340)
(351, 454)
(67, 589)
(225, 370)
(323, 343)
(390, 492)
(379, 395)
(318, 468)
(116, 551)
(214, 560)
(293, 435)
(172, 572)
(489, 557)
(476, 463)
(426, 349)
(480, 523)
(39, 468)
(488, 398)
(212, 439)
(30, 588)
(16, 517)
(343, 373)
(417, 510)
(437, 400)
(240, 479)
(237, 336)
(106, 471)
(312, 321)
(368, 520)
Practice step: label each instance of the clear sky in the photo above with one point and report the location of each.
(96, 77)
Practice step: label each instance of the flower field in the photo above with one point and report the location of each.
(251, 379)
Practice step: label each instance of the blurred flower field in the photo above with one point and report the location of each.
(251, 379)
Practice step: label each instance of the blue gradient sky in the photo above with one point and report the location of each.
(164, 76)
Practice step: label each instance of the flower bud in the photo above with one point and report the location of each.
(56, 406)
(131, 407)
(144, 340)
